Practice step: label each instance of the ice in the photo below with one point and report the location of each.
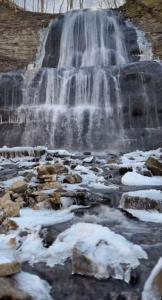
(102, 246)
(60, 153)
(138, 158)
(150, 194)
(37, 288)
(4, 260)
(146, 216)
(151, 291)
(30, 218)
(133, 178)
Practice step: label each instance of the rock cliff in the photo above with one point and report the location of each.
(147, 14)
(19, 35)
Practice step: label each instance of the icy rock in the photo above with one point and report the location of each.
(136, 179)
(89, 159)
(19, 187)
(144, 199)
(153, 286)
(8, 267)
(154, 165)
(73, 179)
(9, 291)
(31, 284)
(107, 254)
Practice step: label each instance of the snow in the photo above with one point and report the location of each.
(150, 194)
(30, 218)
(138, 158)
(151, 291)
(133, 178)
(4, 260)
(102, 246)
(146, 216)
(37, 288)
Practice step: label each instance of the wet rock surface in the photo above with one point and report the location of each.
(99, 206)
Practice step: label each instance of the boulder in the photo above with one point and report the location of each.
(10, 292)
(154, 165)
(81, 264)
(7, 225)
(54, 202)
(73, 179)
(19, 187)
(147, 200)
(5, 199)
(46, 204)
(11, 209)
(8, 267)
(51, 170)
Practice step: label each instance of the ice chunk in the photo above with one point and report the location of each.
(133, 178)
(105, 249)
(37, 288)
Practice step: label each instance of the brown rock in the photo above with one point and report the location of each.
(51, 170)
(8, 225)
(154, 165)
(73, 179)
(20, 201)
(5, 199)
(137, 202)
(8, 291)
(48, 178)
(11, 210)
(9, 268)
(19, 187)
(56, 201)
(50, 185)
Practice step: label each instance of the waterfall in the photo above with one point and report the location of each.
(76, 104)
(91, 91)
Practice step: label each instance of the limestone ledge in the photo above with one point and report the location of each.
(147, 14)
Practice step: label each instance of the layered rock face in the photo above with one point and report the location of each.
(89, 92)
(147, 14)
(19, 36)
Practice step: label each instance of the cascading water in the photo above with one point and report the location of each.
(90, 92)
